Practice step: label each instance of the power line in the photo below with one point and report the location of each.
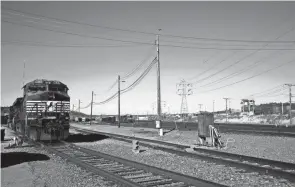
(243, 70)
(270, 89)
(139, 65)
(245, 57)
(148, 33)
(40, 44)
(133, 85)
(251, 76)
(143, 43)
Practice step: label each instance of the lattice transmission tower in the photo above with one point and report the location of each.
(184, 89)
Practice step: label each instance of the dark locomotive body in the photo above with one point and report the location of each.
(43, 111)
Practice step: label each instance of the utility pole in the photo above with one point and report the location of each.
(200, 105)
(119, 101)
(290, 100)
(91, 107)
(158, 79)
(79, 105)
(226, 108)
(213, 105)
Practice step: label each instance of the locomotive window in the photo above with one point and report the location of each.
(35, 89)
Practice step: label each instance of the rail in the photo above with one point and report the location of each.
(123, 172)
(265, 166)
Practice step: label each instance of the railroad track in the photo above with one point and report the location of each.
(264, 166)
(255, 129)
(121, 171)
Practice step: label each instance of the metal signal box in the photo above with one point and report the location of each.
(204, 120)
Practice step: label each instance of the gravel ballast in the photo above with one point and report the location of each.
(269, 147)
(189, 166)
(53, 172)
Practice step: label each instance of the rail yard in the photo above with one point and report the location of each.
(88, 94)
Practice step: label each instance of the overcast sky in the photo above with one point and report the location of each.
(85, 69)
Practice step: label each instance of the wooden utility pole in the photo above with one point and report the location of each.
(158, 79)
(119, 101)
(290, 100)
(91, 107)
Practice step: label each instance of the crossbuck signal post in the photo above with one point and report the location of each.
(184, 89)
(290, 100)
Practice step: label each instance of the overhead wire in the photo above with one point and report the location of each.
(143, 43)
(291, 61)
(266, 91)
(40, 44)
(139, 65)
(130, 87)
(245, 57)
(243, 70)
(142, 32)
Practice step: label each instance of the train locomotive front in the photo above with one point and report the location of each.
(45, 110)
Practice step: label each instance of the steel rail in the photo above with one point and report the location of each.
(265, 166)
(120, 180)
(175, 176)
(123, 172)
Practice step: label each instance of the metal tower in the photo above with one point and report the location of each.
(184, 89)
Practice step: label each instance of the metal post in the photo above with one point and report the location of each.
(119, 101)
(91, 107)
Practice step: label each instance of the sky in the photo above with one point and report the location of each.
(76, 54)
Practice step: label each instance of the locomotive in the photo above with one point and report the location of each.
(43, 113)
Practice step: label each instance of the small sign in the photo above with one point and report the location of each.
(158, 124)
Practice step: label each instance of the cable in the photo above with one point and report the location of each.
(143, 43)
(139, 65)
(251, 76)
(40, 44)
(133, 85)
(276, 87)
(258, 62)
(148, 33)
(213, 65)
(245, 57)
(140, 77)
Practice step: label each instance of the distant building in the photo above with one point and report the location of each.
(274, 108)
(247, 106)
